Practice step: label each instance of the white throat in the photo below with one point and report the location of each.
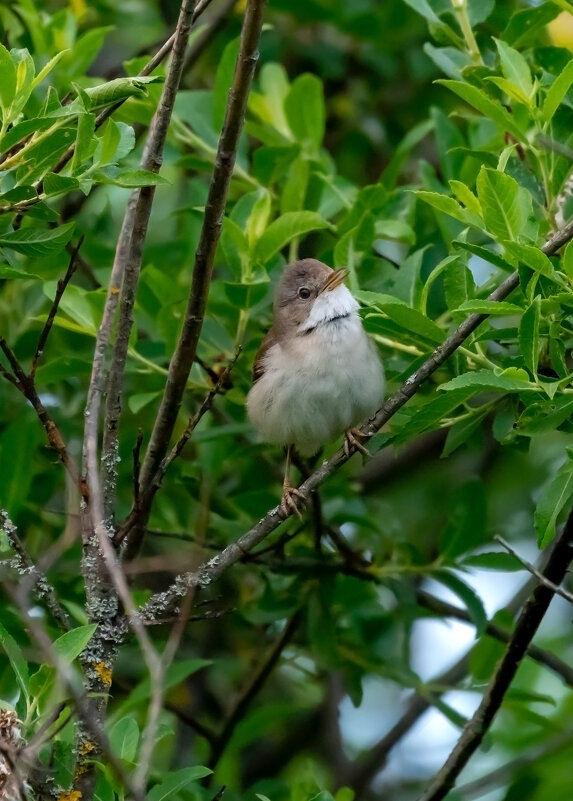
(330, 306)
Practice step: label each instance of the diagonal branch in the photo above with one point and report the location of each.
(186, 348)
(26, 567)
(165, 602)
(527, 624)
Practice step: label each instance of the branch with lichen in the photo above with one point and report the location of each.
(186, 348)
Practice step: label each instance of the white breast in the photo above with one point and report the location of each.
(321, 382)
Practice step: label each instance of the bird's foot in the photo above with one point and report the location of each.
(290, 500)
(354, 441)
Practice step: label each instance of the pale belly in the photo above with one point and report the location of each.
(316, 388)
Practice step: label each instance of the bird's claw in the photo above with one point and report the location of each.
(289, 502)
(353, 441)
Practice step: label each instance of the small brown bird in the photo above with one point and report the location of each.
(317, 374)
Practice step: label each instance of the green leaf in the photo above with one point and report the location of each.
(486, 380)
(7, 80)
(124, 738)
(532, 257)
(48, 68)
(557, 92)
(450, 206)
(70, 645)
(529, 335)
(56, 184)
(461, 431)
(259, 217)
(465, 529)
(467, 595)
(554, 495)
(17, 661)
(489, 108)
(545, 416)
(410, 319)
(505, 207)
(280, 232)
(118, 90)
(491, 307)
(567, 260)
(304, 108)
(515, 68)
(130, 179)
(37, 242)
(493, 560)
(176, 781)
(466, 196)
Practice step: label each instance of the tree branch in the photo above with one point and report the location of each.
(26, 567)
(526, 626)
(186, 347)
(164, 602)
(128, 258)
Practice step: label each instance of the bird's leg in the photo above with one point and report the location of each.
(291, 495)
(354, 441)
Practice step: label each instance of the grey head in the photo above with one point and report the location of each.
(301, 283)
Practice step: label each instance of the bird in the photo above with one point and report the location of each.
(317, 374)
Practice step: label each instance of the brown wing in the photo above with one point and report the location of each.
(267, 343)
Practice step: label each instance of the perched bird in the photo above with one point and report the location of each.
(317, 374)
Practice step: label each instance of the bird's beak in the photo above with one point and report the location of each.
(335, 278)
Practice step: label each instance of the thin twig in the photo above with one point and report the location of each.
(527, 624)
(60, 289)
(211, 570)
(186, 347)
(535, 572)
(145, 499)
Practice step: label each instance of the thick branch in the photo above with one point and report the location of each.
(186, 348)
(130, 249)
(526, 626)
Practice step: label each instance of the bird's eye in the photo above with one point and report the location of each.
(304, 292)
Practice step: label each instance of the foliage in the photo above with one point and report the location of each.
(432, 170)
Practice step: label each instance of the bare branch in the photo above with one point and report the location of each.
(60, 289)
(525, 628)
(535, 572)
(186, 348)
